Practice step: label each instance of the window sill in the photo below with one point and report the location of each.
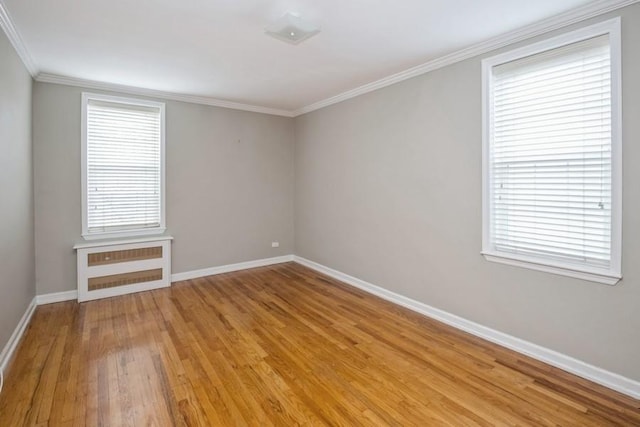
(124, 234)
(121, 241)
(513, 260)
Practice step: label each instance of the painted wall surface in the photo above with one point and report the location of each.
(229, 178)
(388, 189)
(17, 282)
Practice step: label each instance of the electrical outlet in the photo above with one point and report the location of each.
(275, 244)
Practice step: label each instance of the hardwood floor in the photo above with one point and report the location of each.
(280, 345)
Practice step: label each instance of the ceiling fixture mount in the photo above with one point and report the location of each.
(292, 29)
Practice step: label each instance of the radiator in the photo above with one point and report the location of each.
(107, 269)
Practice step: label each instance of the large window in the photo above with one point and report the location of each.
(552, 155)
(122, 167)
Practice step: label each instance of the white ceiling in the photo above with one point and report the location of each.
(218, 49)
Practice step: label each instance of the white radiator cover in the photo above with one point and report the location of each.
(118, 263)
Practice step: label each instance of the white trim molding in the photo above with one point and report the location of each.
(11, 346)
(539, 259)
(57, 297)
(188, 275)
(6, 23)
(172, 96)
(531, 264)
(124, 104)
(567, 363)
(573, 16)
(582, 369)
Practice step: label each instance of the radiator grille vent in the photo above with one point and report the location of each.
(123, 279)
(114, 257)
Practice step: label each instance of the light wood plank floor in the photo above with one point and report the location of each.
(280, 345)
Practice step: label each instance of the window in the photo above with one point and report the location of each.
(552, 155)
(122, 167)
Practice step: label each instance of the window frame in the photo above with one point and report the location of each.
(86, 235)
(611, 276)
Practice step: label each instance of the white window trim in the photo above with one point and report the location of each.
(614, 273)
(86, 96)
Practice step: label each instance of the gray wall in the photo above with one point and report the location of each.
(229, 185)
(17, 283)
(388, 189)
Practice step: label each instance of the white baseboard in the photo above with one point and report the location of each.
(73, 295)
(12, 344)
(188, 275)
(57, 297)
(608, 379)
(567, 363)
(10, 348)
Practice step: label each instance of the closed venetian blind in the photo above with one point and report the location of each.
(123, 166)
(550, 155)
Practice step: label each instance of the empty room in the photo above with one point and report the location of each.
(328, 213)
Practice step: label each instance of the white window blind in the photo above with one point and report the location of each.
(550, 193)
(123, 166)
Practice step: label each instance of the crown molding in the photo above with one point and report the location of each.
(16, 41)
(573, 16)
(194, 99)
